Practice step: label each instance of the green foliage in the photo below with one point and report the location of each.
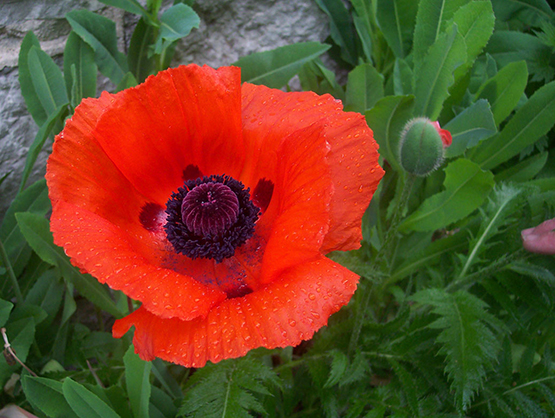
(451, 317)
(230, 389)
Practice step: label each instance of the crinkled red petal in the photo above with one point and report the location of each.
(133, 264)
(284, 313)
(270, 115)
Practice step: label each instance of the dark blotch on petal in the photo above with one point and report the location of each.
(191, 172)
(152, 217)
(262, 194)
(238, 292)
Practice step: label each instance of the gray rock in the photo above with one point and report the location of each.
(229, 30)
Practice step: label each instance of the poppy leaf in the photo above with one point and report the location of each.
(126, 82)
(276, 67)
(533, 120)
(364, 36)
(314, 76)
(47, 80)
(21, 334)
(5, 309)
(430, 255)
(434, 75)
(84, 402)
(475, 22)
(80, 55)
(387, 119)
(431, 20)
(176, 23)
(364, 88)
(403, 78)
(524, 170)
(469, 127)
(137, 373)
(466, 188)
(47, 293)
(396, 19)
(46, 396)
(409, 386)
(27, 90)
(505, 89)
(341, 28)
(138, 59)
(131, 6)
(40, 138)
(509, 46)
(100, 34)
(168, 382)
(34, 199)
(36, 230)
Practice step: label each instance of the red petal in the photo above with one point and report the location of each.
(185, 116)
(270, 115)
(284, 313)
(356, 174)
(129, 262)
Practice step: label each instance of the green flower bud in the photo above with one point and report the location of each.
(421, 147)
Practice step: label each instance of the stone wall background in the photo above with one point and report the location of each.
(229, 29)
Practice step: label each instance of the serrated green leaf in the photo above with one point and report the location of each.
(46, 396)
(85, 403)
(475, 22)
(341, 28)
(469, 127)
(396, 19)
(34, 199)
(47, 80)
(276, 67)
(434, 75)
(339, 365)
(36, 230)
(137, 374)
(176, 23)
(408, 385)
(466, 188)
(533, 120)
(387, 119)
(505, 89)
(81, 81)
(431, 20)
(467, 341)
(138, 59)
(100, 34)
(364, 88)
(31, 97)
(44, 132)
(224, 390)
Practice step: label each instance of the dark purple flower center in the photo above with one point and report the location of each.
(210, 217)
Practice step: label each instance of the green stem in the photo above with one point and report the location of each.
(6, 261)
(382, 255)
(396, 220)
(473, 278)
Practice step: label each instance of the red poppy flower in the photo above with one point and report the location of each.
(213, 204)
(445, 135)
